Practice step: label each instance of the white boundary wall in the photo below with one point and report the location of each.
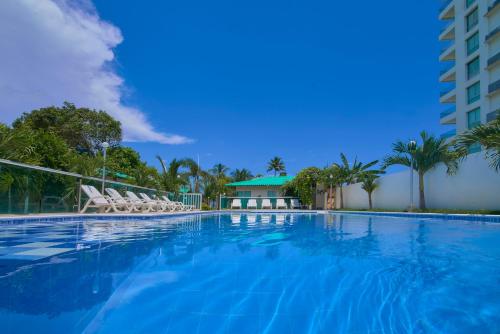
(475, 186)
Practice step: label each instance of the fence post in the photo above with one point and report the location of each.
(79, 194)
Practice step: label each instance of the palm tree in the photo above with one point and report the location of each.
(488, 136)
(426, 156)
(351, 173)
(369, 184)
(171, 179)
(194, 172)
(276, 164)
(241, 175)
(219, 171)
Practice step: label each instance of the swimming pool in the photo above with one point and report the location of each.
(251, 273)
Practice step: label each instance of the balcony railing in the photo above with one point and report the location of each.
(492, 115)
(444, 5)
(447, 112)
(494, 59)
(492, 34)
(449, 134)
(492, 7)
(446, 91)
(447, 68)
(494, 87)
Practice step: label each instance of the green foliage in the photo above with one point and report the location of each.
(303, 184)
(241, 175)
(488, 136)
(426, 156)
(276, 165)
(82, 129)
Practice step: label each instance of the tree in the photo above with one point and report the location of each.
(18, 145)
(350, 173)
(488, 136)
(241, 175)
(369, 184)
(194, 172)
(82, 129)
(303, 185)
(426, 157)
(276, 165)
(171, 179)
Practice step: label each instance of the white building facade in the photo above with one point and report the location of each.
(471, 63)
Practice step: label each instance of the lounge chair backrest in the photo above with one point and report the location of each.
(116, 196)
(280, 202)
(236, 202)
(252, 202)
(146, 197)
(133, 196)
(295, 203)
(94, 194)
(266, 202)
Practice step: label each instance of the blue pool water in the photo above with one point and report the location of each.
(256, 273)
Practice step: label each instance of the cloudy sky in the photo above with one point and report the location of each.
(234, 82)
(52, 52)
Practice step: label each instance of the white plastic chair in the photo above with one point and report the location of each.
(236, 203)
(252, 203)
(266, 204)
(281, 204)
(295, 204)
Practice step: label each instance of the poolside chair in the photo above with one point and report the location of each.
(160, 205)
(133, 198)
(236, 204)
(281, 204)
(100, 202)
(266, 204)
(133, 206)
(179, 206)
(295, 204)
(252, 203)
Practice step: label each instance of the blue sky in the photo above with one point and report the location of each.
(304, 80)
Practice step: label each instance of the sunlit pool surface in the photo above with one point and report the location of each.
(255, 273)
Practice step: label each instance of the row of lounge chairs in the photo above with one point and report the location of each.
(266, 204)
(130, 203)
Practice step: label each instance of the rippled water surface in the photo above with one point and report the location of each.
(255, 273)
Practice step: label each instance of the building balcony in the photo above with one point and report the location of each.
(447, 53)
(447, 10)
(448, 95)
(491, 8)
(494, 88)
(492, 34)
(494, 60)
(448, 32)
(449, 134)
(492, 115)
(448, 74)
(448, 116)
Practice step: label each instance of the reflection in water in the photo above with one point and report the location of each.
(283, 273)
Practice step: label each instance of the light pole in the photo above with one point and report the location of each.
(412, 146)
(331, 191)
(105, 146)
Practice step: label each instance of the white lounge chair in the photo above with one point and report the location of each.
(151, 205)
(236, 204)
(133, 206)
(100, 202)
(281, 204)
(252, 203)
(295, 204)
(178, 206)
(266, 204)
(160, 205)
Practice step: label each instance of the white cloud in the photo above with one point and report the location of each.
(55, 50)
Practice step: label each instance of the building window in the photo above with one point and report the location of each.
(244, 193)
(472, 43)
(472, 19)
(473, 93)
(271, 194)
(469, 3)
(474, 118)
(473, 68)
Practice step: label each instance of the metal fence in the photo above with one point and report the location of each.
(27, 189)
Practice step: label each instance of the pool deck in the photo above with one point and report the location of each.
(58, 217)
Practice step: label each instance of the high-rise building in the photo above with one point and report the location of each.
(471, 59)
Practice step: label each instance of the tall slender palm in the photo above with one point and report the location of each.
(194, 172)
(276, 165)
(349, 173)
(171, 178)
(219, 170)
(426, 156)
(488, 136)
(369, 184)
(241, 175)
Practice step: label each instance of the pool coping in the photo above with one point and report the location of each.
(17, 219)
(430, 215)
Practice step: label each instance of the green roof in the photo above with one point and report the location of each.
(275, 181)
